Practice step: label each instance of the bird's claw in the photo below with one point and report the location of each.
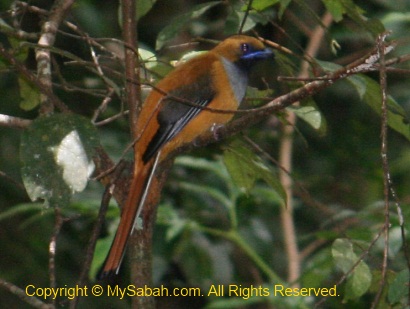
(216, 129)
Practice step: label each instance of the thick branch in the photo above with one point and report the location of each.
(141, 239)
(285, 160)
(131, 62)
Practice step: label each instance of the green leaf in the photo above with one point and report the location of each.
(258, 18)
(20, 209)
(359, 83)
(203, 164)
(336, 8)
(260, 5)
(30, 95)
(399, 289)
(56, 154)
(398, 23)
(238, 161)
(256, 97)
(19, 48)
(234, 22)
(148, 58)
(318, 266)
(340, 7)
(309, 113)
(286, 64)
(210, 191)
(175, 27)
(167, 215)
(265, 194)
(343, 255)
(359, 280)
(283, 6)
(370, 92)
(102, 247)
(190, 55)
(194, 251)
(245, 168)
(375, 27)
(143, 7)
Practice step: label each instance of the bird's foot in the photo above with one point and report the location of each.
(216, 130)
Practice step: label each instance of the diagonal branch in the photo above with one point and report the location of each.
(13, 122)
(22, 294)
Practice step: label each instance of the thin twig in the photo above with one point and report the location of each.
(13, 122)
(58, 223)
(249, 7)
(20, 293)
(385, 165)
(12, 180)
(285, 160)
(17, 33)
(102, 107)
(43, 56)
(340, 228)
(22, 69)
(111, 119)
(108, 192)
(359, 260)
(68, 87)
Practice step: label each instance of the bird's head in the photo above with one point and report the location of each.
(242, 49)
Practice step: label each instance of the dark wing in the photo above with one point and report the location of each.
(175, 115)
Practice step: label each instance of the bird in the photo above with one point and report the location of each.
(181, 107)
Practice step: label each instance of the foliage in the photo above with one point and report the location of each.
(221, 219)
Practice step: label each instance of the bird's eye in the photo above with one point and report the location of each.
(245, 48)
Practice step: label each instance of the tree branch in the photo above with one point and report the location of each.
(43, 56)
(13, 122)
(285, 160)
(20, 293)
(385, 165)
(58, 223)
(131, 62)
(109, 189)
(141, 239)
(25, 73)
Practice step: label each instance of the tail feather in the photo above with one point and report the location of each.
(132, 209)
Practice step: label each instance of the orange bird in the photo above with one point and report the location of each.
(216, 80)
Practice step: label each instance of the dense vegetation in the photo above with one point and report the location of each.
(311, 192)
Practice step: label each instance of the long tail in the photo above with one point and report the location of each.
(132, 209)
